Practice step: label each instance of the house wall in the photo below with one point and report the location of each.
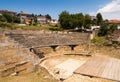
(118, 26)
(53, 22)
(43, 20)
(24, 17)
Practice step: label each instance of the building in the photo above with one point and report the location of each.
(53, 21)
(93, 18)
(95, 27)
(42, 20)
(25, 17)
(115, 21)
(8, 11)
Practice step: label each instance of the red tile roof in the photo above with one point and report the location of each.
(114, 21)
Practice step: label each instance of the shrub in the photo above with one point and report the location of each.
(4, 25)
(98, 40)
(55, 29)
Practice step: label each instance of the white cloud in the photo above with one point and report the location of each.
(111, 10)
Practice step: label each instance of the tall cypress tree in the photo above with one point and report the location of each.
(99, 18)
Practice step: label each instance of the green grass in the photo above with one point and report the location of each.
(14, 26)
(102, 41)
(98, 40)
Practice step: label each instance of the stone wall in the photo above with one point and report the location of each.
(32, 40)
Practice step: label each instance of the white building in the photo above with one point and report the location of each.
(95, 27)
(53, 21)
(42, 20)
(25, 17)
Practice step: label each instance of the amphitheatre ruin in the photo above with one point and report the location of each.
(67, 56)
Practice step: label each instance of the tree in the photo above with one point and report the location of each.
(87, 21)
(99, 18)
(107, 29)
(103, 30)
(40, 15)
(64, 19)
(32, 15)
(2, 18)
(71, 21)
(16, 19)
(8, 17)
(112, 28)
(79, 20)
(48, 16)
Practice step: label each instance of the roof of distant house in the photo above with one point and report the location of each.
(41, 17)
(7, 11)
(114, 21)
(24, 13)
(53, 19)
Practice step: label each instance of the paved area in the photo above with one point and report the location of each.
(100, 66)
(67, 67)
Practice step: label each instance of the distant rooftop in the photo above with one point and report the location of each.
(41, 17)
(7, 11)
(24, 13)
(114, 21)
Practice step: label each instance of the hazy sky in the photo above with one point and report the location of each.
(109, 8)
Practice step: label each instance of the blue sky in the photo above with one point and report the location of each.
(54, 7)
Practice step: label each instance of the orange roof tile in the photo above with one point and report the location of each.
(114, 21)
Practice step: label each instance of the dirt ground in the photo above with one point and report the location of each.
(41, 75)
(57, 61)
(51, 64)
(58, 65)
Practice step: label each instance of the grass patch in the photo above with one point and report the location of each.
(98, 40)
(14, 26)
(55, 29)
(102, 41)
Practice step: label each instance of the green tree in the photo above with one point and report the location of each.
(99, 18)
(2, 18)
(79, 20)
(32, 15)
(48, 16)
(16, 19)
(71, 21)
(64, 19)
(40, 15)
(112, 28)
(107, 29)
(103, 30)
(8, 17)
(87, 21)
